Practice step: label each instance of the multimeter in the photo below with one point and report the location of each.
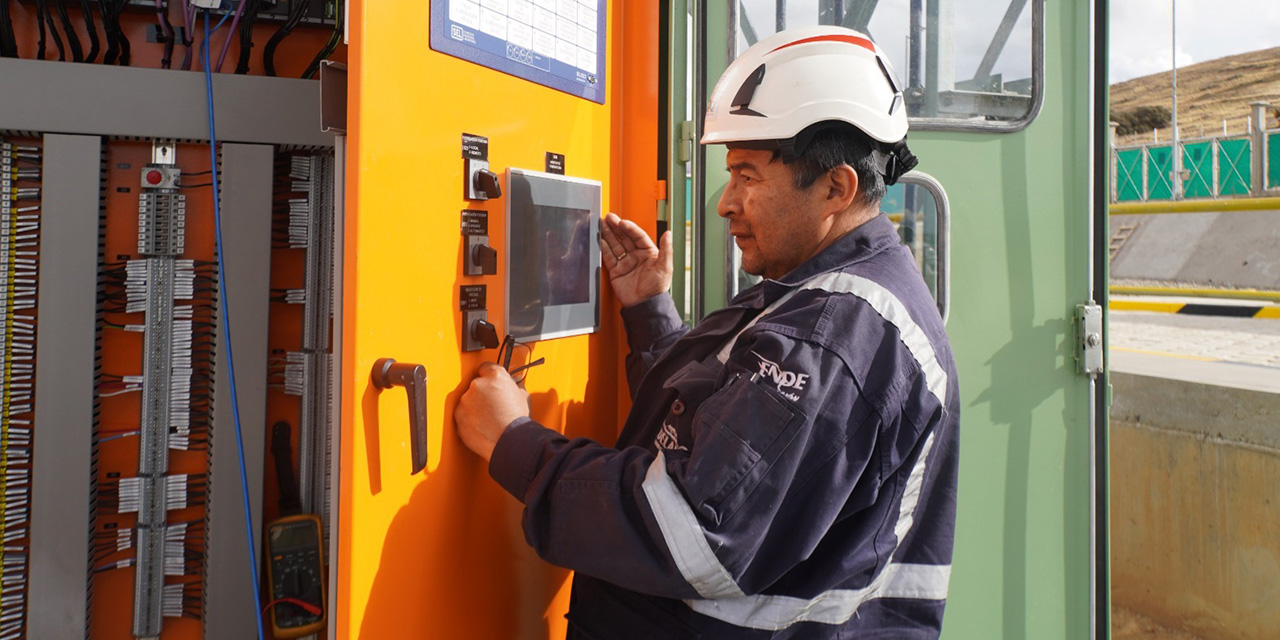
(294, 552)
(295, 572)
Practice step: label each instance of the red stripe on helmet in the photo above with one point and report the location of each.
(860, 41)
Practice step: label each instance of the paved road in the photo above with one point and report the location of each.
(1233, 352)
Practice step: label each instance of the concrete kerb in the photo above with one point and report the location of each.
(1178, 302)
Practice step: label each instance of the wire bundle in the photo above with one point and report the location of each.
(299, 11)
(20, 174)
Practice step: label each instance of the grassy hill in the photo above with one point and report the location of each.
(1208, 92)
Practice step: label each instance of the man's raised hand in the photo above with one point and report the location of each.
(638, 270)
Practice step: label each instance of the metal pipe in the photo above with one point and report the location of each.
(1232, 205)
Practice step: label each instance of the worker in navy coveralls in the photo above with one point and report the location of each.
(788, 468)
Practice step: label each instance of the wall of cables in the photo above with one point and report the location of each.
(133, 506)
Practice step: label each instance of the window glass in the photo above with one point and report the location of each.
(962, 61)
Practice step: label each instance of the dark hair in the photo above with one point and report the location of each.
(833, 146)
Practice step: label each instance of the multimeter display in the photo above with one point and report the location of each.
(293, 537)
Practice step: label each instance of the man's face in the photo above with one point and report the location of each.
(776, 225)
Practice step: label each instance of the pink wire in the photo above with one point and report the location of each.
(226, 44)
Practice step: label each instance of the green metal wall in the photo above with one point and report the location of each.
(1020, 243)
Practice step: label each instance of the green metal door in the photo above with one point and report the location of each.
(1013, 153)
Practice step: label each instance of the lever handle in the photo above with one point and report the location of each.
(388, 373)
(486, 182)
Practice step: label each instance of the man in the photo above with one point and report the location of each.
(788, 468)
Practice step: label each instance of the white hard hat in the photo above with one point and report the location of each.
(800, 77)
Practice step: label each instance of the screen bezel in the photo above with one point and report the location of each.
(525, 189)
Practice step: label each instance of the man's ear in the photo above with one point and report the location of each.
(842, 188)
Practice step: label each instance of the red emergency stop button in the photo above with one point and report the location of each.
(154, 177)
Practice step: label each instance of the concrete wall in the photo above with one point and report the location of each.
(1236, 249)
(1195, 506)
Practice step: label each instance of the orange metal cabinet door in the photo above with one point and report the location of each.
(440, 554)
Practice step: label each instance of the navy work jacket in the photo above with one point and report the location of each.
(787, 470)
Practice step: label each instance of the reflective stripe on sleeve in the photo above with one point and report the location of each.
(685, 540)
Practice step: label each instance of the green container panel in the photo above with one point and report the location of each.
(1235, 166)
(1159, 170)
(1197, 161)
(1273, 160)
(1128, 175)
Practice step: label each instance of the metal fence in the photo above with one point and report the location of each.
(1212, 167)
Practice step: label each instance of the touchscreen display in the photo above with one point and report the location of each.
(553, 261)
(550, 260)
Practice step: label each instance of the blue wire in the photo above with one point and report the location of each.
(226, 319)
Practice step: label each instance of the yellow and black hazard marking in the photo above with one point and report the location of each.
(1199, 308)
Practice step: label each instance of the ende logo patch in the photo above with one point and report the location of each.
(782, 378)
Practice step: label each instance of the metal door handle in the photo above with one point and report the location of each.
(388, 373)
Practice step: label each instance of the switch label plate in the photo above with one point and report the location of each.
(475, 147)
(475, 222)
(472, 297)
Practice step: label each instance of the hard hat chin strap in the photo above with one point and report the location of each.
(894, 160)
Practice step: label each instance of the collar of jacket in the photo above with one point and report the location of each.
(868, 239)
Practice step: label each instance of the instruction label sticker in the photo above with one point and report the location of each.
(475, 222)
(475, 147)
(471, 297)
(556, 43)
(555, 163)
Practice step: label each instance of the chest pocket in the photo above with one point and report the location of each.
(743, 430)
(692, 385)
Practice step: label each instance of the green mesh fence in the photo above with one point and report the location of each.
(1234, 167)
(1129, 175)
(1159, 168)
(1273, 160)
(1197, 161)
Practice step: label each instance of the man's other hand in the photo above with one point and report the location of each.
(638, 270)
(484, 411)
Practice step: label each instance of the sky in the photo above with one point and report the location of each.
(1141, 32)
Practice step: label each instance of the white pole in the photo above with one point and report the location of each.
(1177, 152)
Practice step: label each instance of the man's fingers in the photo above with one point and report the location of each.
(608, 256)
(491, 370)
(664, 249)
(633, 238)
(608, 233)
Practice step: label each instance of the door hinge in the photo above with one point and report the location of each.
(1089, 352)
(684, 153)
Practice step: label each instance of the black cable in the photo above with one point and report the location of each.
(269, 53)
(53, 31)
(69, 30)
(124, 40)
(40, 26)
(113, 43)
(92, 29)
(8, 42)
(329, 46)
(246, 35)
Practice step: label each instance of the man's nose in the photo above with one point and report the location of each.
(729, 204)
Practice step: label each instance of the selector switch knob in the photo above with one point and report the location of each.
(484, 259)
(485, 333)
(486, 184)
